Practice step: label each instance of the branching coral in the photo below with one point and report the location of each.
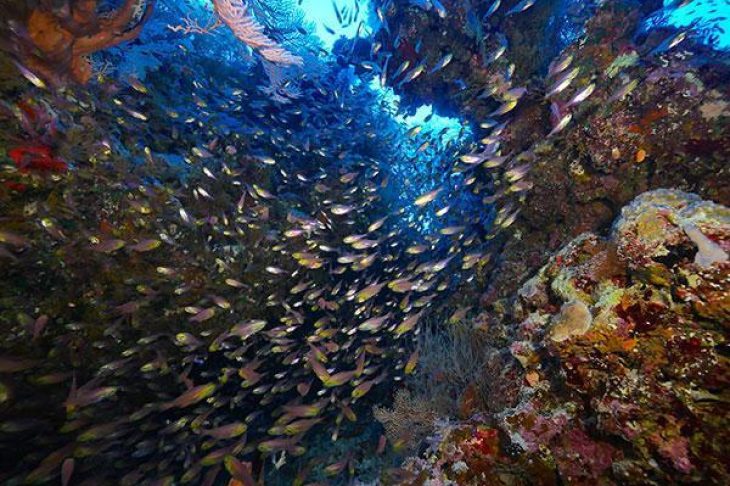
(451, 361)
(56, 42)
(192, 26)
(408, 422)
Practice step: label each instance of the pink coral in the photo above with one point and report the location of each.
(676, 450)
(580, 457)
(539, 430)
(234, 13)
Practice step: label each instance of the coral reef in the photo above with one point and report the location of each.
(620, 342)
(614, 154)
(238, 257)
(668, 129)
(408, 421)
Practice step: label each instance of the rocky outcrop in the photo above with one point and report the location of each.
(669, 130)
(620, 342)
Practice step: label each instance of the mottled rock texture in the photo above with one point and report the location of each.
(621, 342)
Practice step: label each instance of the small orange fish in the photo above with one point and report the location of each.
(288, 444)
(382, 441)
(9, 364)
(191, 397)
(336, 468)
(67, 469)
(300, 426)
(109, 246)
(304, 411)
(203, 315)
(411, 363)
(408, 324)
(361, 389)
(239, 471)
(145, 245)
(87, 395)
(338, 379)
(12, 239)
(226, 431)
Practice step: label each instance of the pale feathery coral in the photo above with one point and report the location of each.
(234, 13)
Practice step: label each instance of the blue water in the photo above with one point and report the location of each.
(408, 164)
(713, 14)
(322, 15)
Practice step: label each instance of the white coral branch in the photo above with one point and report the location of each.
(234, 13)
(193, 27)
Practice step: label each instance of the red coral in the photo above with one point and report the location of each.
(645, 123)
(645, 316)
(581, 458)
(484, 444)
(36, 158)
(29, 111)
(15, 186)
(676, 450)
(539, 430)
(486, 441)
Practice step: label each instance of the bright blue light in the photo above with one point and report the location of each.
(322, 14)
(453, 126)
(435, 124)
(702, 10)
(417, 169)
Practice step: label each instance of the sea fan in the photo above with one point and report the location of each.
(234, 13)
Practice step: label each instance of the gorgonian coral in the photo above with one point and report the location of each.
(234, 13)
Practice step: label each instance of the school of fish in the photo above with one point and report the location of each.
(274, 287)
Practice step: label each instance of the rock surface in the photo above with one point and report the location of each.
(621, 344)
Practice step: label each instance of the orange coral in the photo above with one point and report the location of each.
(648, 120)
(59, 40)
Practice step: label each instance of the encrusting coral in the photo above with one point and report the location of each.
(620, 341)
(574, 319)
